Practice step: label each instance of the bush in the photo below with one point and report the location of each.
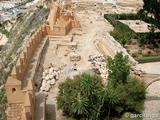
(130, 91)
(119, 69)
(78, 97)
(85, 97)
(134, 55)
(40, 7)
(4, 31)
(131, 95)
(153, 7)
(122, 33)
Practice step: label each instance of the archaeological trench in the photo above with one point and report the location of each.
(39, 58)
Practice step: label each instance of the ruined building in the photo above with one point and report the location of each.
(20, 85)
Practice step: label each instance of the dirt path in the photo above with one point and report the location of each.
(152, 103)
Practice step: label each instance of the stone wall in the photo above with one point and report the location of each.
(19, 86)
(16, 93)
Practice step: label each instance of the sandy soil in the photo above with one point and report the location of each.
(92, 26)
(152, 104)
(150, 68)
(138, 26)
(84, 37)
(3, 39)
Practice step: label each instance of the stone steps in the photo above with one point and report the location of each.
(60, 38)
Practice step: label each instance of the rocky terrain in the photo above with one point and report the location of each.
(94, 30)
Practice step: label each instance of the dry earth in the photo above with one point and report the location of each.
(138, 25)
(93, 29)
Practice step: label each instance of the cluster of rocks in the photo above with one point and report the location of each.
(99, 65)
(3, 39)
(75, 57)
(49, 78)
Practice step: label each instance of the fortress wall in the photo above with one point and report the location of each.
(75, 24)
(14, 91)
(23, 94)
(57, 30)
(63, 30)
(15, 94)
(22, 63)
(68, 26)
(18, 72)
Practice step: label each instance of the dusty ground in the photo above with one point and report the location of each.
(90, 28)
(138, 25)
(150, 68)
(3, 39)
(152, 103)
(93, 27)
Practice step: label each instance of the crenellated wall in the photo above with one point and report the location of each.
(22, 63)
(16, 93)
(20, 87)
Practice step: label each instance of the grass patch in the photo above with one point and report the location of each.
(122, 33)
(4, 31)
(148, 59)
(133, 16)
(3, 102)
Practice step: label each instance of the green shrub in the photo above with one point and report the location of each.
(1, 46)
(85, 97)
(125, 86)
(122, 33)
(4, 31)
(134, 55)
(78, 97)
(40, 7)
(149, 52)
(69, 118)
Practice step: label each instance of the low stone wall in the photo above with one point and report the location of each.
(58, 30)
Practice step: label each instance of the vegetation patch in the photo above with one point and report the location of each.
(126, 36)
(3, 102)
(122, 33)
(86, 97)
(148, 59)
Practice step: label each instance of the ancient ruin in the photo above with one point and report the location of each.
(75, 38)
(20, 85)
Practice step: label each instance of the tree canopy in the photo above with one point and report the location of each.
(153, 7)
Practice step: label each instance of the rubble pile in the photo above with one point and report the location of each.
(99, 65)
(49, 78)
(75, 57)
